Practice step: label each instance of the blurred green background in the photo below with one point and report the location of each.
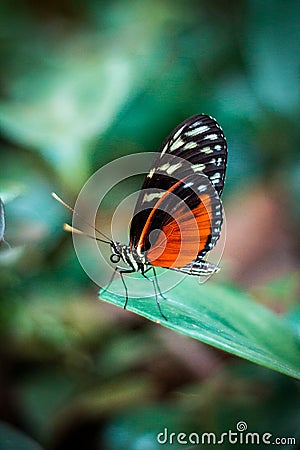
(83, 83)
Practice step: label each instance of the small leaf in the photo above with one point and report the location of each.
(225, 318)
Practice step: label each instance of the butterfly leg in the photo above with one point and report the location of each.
(155, 278)
(121, 271)
(157, 285)
(156, 297)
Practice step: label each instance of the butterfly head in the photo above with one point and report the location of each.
(116, 254)
(129, 256)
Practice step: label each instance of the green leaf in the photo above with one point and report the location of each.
(220, 316)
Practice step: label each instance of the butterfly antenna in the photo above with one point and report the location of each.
(71, 229)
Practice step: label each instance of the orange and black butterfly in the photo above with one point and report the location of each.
(178, 214)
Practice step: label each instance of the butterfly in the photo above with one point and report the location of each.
(178, 216)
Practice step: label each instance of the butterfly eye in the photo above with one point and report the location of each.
(115, 258)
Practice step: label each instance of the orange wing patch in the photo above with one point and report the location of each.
(150, 217)
(180, 241)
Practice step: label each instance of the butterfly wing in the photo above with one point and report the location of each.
(199, 141)
(184, 224)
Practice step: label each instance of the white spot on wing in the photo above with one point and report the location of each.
(215, 176)
(176, 144)
(174, 167)
(164, 150)
(190, 145)
(211, 137)
(206, 150)
(150, 174)
(178, 133)
(197, 130)
(195, 124)
(164, 167)
(198, 167)
(151, 196)
(169, 168)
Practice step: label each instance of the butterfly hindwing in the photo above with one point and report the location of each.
(184, 224)
(198, 267)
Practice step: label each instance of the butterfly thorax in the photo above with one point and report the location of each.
(129, 256)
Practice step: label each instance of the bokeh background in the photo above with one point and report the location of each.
(85, 82)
